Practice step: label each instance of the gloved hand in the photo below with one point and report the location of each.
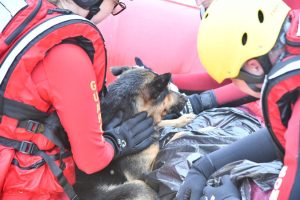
(227, 191)
(195, 180)
(199, 102)
(192, 187)
(131, 136)
(115, 122)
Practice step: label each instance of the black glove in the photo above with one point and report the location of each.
(115, 122)
(131, 136)
(227, 191)
(192, 187)
(195, 181)
(199, 102)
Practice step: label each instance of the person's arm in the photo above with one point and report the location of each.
(257, 147)
(69, 75)
(228, 95)
(288, 183)
(72, 90)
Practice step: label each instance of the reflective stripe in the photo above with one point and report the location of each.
(30, 36)
(288, 68)
(8, 9)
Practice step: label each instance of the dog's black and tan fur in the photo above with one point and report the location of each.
(136, 90)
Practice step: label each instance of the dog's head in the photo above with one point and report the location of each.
(140, 89)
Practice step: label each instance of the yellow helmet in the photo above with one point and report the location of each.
(234, 31)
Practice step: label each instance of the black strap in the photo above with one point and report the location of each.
(23, 112)
(93, 10)
(103, 91)
(41, 162)
(251, 80)
(30, 148)
(58, 173)
(49, 131)
(84, 43)
(254, 87)
(32, 126)
(20, 111)
(265, 62)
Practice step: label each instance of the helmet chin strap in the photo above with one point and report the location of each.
(92, 5)
(93, 10)
(252, 80)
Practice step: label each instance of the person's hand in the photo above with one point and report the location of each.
(115, 121)
(192, 187)
(199, 102)
(132, 135)
(227, 191)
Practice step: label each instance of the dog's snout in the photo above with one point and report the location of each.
(179, 102)
(184, 98)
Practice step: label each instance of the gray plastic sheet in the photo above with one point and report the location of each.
(262, 174)
(211, 130)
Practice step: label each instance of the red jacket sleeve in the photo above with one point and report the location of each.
(65, 79)
(228, 93)
(294, 4)
(202, 81)
(288, 183)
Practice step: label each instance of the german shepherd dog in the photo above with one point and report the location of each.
(135, 90)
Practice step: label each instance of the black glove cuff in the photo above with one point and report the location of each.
(188, 108)
(110, 138)
(205, 166)
(203, 101)
(209, 100)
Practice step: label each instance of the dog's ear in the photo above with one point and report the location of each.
(140, 63)
(116, 71)
(158, 84)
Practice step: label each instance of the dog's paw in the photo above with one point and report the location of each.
(185, 119)
(188, 116)
(177, 135)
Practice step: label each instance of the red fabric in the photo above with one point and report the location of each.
(195, 81)
(20, 79)
(286, 179)
(294, 4)
(291, 35)
(273, 112)
(255, 109)
(66, 83)
(228, 93)
(164, 36)
(26, 85)
(6, 156)
(35, 184)
(162, 33)
(257, 193)
(21, 16)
